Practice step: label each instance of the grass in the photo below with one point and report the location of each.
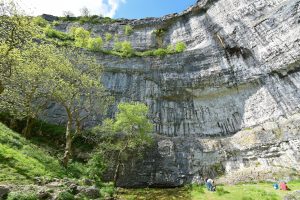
(260, 191)
(153, 194)
(21, 161)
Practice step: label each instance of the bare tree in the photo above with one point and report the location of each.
(85, 12)
(68, 13)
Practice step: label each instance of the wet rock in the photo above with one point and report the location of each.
(4, 191)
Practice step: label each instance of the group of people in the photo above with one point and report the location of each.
(282, 186)
(210, 185)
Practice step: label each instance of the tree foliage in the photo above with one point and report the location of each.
(30, 87)
(79, 91)
(16, 30)
(127, 136)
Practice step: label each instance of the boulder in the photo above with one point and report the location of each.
(90, 192)
(4, 190)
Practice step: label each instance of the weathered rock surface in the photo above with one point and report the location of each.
(228, 104)
(4, 190)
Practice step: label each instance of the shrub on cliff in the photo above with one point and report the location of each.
(95, 44)
(180, 47)
(128, 29)
(81, 36)
(123, 49)
(52, 33)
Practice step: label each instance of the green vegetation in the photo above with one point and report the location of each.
(128, 30)
(79, 92)
(123, 49)
(16, 31)
(81, 36)
(95, 44)
(94, 19)
(132, 121)
(159, 34)
(180, 47)
(108, 37)
(107, 190)
(27, 90)
(52, 33)
(65, 195)
(95, 167)
(22, 161)
(261, 191)
(40, 22)
(22, 196)
(154, 194)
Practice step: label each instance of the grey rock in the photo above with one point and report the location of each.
(43, 194)
(293, 196)
(73, 188)
(49, 18)
(4, 191)
(90, 192)
(229, 105)
(88, 182)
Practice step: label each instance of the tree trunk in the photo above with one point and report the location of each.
(13, 124)
(68, 147)
(78, 128)
(1, 87)
(116, 174)
(27, 130)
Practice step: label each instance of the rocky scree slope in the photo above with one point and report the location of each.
(227, 105)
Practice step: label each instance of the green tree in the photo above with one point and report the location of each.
(16, 31)
(79, 91)
(127, 136)
(30, 86)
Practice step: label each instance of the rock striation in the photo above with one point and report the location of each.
(229, 104)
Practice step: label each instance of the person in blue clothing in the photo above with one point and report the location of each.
(210, 184)
(276, 186)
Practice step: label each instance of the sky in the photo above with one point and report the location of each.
(131, 9)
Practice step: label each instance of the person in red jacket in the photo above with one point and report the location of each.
(283, 186)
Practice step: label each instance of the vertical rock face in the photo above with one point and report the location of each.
(228, 104)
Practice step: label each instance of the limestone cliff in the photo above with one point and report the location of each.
(229, 104)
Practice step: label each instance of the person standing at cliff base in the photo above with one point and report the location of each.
(210, 184)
